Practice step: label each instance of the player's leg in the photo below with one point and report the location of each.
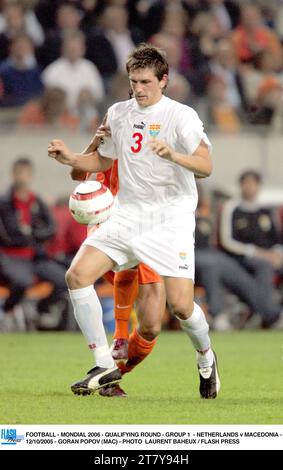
(180, 297)
(151, 299)
(169, 249)
(88, 265)
(150, 307)
(125, 293)
(125, 288)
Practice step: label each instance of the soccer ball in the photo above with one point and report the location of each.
(91, 203)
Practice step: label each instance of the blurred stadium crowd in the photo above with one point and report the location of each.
(62, 64)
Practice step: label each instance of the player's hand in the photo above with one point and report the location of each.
(102, 132)
(58, 150)
(162, 149)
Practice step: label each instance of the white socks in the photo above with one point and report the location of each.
(197, 329)
(88, 313)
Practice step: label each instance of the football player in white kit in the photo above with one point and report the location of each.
(161, 146)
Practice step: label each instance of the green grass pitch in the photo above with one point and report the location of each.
(36, 370)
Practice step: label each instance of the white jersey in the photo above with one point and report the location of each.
(147, 182)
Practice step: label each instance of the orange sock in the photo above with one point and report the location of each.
(139, 349)
(125, 293)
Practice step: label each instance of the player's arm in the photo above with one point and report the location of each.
(91, 162)
(199, 163)
(102, 131)
(80, 175)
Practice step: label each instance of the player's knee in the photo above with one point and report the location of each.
(149, 332)
(74, 278)
(182, 308)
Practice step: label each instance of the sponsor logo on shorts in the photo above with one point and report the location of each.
(92, 346)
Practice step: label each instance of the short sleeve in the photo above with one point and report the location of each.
(190, 130)
(107, 148)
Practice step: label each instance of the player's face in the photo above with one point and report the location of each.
(146, 87)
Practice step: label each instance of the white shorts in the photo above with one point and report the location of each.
(167, 248)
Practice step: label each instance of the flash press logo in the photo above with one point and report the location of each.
(9, 437)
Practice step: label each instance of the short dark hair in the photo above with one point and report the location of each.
(250, 174)
(23, 161)
(148, 56)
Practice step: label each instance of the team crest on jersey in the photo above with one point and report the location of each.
(182, 255)
(154, 130)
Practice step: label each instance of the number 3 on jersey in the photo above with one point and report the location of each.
(138, 138)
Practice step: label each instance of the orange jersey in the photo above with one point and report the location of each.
(110, 178)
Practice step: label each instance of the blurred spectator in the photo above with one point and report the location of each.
(221, 113)
(250, 233)
(19, 74)
(269, 106)
(265, 67)
(46, 11)
(68, 18)
(208, 32)
(178, 87)
(175, 24)
(110, 44)
(226, 91)
(252, 36)
(183, 52)
(152, 12)
(203, 38)
(69, 235)
(25, 224)
(224, 65)
(171, 45)
(119, 90)
(49, 110)
(87, 112)
(218, 272)
(15, 20)
(91, 12)
(264, 88)
(226, 13)
(74, 74)
(115, 25)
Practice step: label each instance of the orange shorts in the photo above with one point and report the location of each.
(145, 275)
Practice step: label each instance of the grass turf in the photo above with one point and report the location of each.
(36, 370)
